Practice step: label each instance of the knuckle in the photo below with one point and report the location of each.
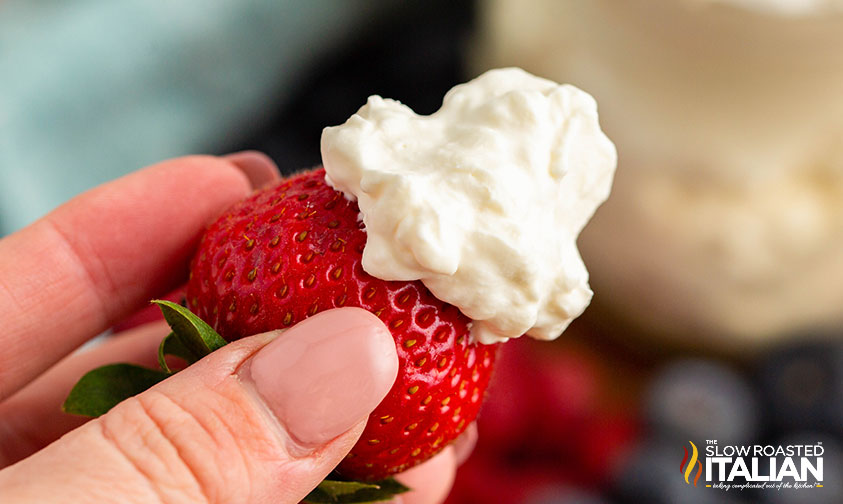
(200, 447)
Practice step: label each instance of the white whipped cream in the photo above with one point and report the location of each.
(483, 200)
(725, 224)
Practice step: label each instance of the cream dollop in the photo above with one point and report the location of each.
(483, 200)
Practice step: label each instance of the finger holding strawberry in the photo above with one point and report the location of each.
(205, 434)
(454, 232)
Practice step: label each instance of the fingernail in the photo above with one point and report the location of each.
(258, 167)
(325, 374)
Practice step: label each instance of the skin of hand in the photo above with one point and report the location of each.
(263, 419)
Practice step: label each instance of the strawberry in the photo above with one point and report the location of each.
(295, 249)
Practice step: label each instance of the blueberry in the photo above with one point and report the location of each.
(564, 494)
(699, 400)
(651, 474)
(832, 489)
(803, 386)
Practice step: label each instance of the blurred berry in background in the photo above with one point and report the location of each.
(832, 491)
(700, 399)
(650, 474)
(803, 384)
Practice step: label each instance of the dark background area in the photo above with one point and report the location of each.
(413, 56)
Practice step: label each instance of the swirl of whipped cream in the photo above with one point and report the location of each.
(483, 200)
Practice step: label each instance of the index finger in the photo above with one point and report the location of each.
(97, 258)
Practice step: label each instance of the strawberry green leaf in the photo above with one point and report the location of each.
(354, 492)
(193, 333)
(101, 389)
(173, 345)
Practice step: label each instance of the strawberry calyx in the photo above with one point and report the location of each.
(191, 339)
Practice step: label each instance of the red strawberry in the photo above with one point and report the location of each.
(295, 249)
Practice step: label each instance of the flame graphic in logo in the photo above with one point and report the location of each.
(694, 460)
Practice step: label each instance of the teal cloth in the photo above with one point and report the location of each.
(93, 89)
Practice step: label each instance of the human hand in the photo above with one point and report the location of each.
(263, 419)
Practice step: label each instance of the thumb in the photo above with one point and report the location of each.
(264, 419)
